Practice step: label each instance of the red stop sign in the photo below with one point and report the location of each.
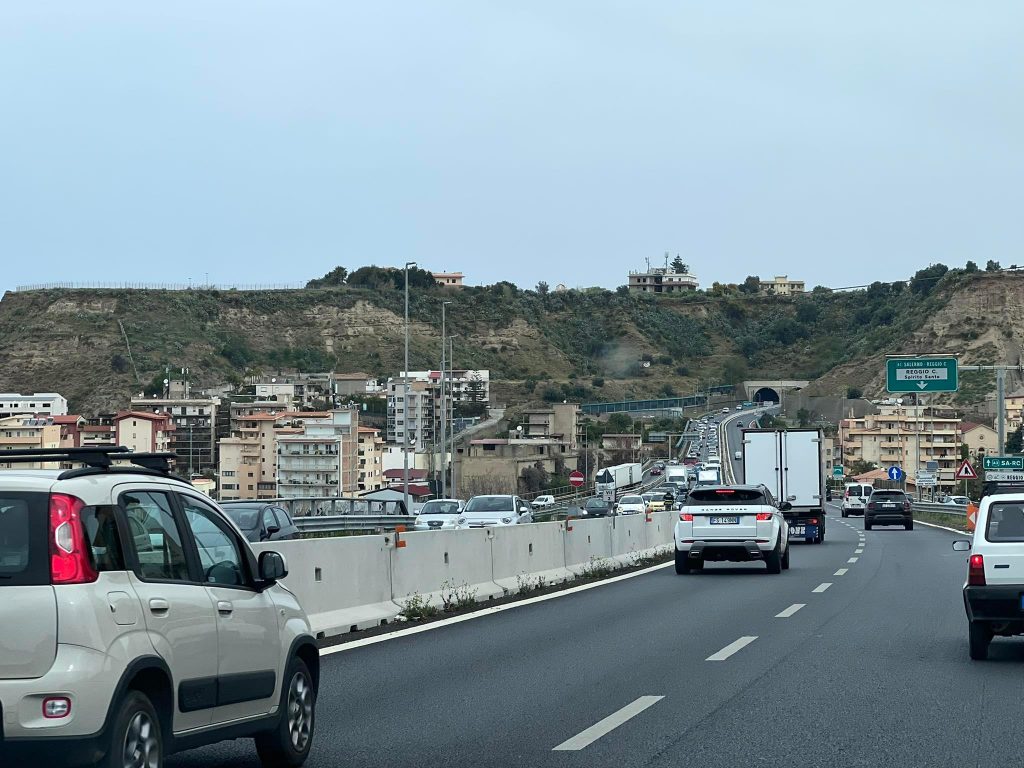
(576, 479)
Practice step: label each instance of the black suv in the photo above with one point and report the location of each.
(888, 507)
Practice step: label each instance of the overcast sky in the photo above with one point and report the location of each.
(522, 140)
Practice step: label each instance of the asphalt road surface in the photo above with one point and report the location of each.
(851, 658)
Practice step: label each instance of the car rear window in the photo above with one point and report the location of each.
(24, 523)
(246, 518)
(725, 496)
(890, 495)
(1005, 522)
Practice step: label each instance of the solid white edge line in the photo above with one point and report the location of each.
(483, 612)
(731, 648)
(852, 560)
(790, 611)
(587, 737)
(822, 587)
(841, 572)
(943, 528)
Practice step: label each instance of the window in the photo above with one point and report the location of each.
(155, 537)
(269, 521)
(1005, 522)
(219, 555)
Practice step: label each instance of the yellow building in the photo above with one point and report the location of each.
(980, 438)
(781, 285)
(371, 460)
(22, 432)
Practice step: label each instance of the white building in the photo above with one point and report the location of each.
(322, 459)
(48, 403)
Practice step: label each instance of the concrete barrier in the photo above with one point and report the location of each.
(343, 583)
(629, 536)
(433, 564)
(587, 541)
(659, 532)
(533, 552)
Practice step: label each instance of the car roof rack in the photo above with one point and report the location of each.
(98, 459)
(993, 487)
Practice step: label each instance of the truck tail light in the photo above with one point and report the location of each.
(813, 521)
(685, 517)
(976, 571)
(764, 516)
(69, 555)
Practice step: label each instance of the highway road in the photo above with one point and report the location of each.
(857, 656)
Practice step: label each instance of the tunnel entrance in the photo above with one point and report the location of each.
(766, 395)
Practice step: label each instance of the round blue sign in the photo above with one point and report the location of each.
(895, 473)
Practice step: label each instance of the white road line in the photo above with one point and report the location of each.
(853, 560)
(790, 611)
(841, 572)
(597, 730)
(858, 551)
(822, 587)
(731, 648)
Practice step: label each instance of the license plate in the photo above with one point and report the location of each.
(889, 506)
(797, 530)
(725, 521)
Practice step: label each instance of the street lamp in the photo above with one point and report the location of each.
(451, 362)
(444, 446)
(405, 393)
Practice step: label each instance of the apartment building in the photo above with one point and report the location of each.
(39, 404)
(194, 438)
(143, 432)
(907, 436)
(413, 418)
(662, 280)
(321, 460)
(27, 432)
(98, 430)
(348, 384)
(495, 465)
(559, 422)
(371, 460)
(781, 285)
(70, 430)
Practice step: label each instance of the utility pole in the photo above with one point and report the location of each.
(444, 419)
(451, 375)
(405, 396)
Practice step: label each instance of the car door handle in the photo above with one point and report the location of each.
(158, 605)
(223, 606)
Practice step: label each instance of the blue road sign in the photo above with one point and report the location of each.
(895, 473)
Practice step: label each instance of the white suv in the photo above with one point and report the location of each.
(137, 621)
(994, 591)
(736, 523)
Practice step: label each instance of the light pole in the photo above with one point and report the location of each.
(451, 362)
(405, 393)
(444, 422)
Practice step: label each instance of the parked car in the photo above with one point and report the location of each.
(889, 507)
(543, 502)
(139, 622)
(597, 507)
(439, 515)
(483, 511)
(261, 521)
(631, 505)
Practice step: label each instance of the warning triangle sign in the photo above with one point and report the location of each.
(966, 471)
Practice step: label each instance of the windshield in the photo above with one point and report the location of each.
(631, 500)
(596, 503)
(490, 504)
(246, 518)
(438, 507)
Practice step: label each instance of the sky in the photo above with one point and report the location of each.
(249, 142)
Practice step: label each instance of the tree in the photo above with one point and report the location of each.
(679, 266)
(475, 388)
(542, 288)
(803, 417)
(858, 467)
(619, 423)
(970, 266)
(992, 266)
(924, 280)
(751, 285)
(378, 278)
(1015, 442)
(332, 279)
(533, 479)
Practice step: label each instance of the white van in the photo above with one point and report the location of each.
(855, 498)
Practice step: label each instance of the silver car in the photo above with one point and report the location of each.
(483, 511)
(440, 515)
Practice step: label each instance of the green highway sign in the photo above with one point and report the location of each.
(837, 470)
(1004, 462)
(921, 374)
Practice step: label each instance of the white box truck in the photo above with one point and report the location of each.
(790, 463)
(611, 481)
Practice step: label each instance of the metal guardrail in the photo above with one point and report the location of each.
(336, 523)
(954, 510)
(330, 506)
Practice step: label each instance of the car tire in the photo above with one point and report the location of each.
(909, 525)
(867, 524)
(979, 636)
(287, 745)
(136, 729)
(845, 513)
(785, 559)
(682, 563)
(774, 560)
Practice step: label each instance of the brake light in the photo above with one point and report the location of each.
(764, 516)
(976, 571)
(813, 521)
(871, 505)
(686, 517)
(725, 490)
(69, 557)
(906, 506)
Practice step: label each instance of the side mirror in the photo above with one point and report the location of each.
(272, 530)
(785, 506)
(961, 545)
(272, 567)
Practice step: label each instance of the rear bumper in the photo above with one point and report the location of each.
(56, 752)
(732, 550)
(1000, 604)
(889, 518)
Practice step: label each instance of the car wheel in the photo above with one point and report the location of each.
(909, 525)
(682, 563)
(288, 744)
(867, 524)
(774, 560)
(785, 559)
(845, 513)
(980, 636)
(135, 736)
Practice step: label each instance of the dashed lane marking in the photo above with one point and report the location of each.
(822, 587)
(853, 560)
(585, 738)
(790, 611)
(841, 572)
(731, 648)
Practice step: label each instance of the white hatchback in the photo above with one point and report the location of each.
(440, 515)
(631, 505)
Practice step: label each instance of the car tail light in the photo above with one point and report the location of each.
(69, 556)
(906, 506)
(764, 516)
(871, 505)
(56, 707)
(686, 517)
(976, 571)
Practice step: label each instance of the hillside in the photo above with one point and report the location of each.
(582, 345)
